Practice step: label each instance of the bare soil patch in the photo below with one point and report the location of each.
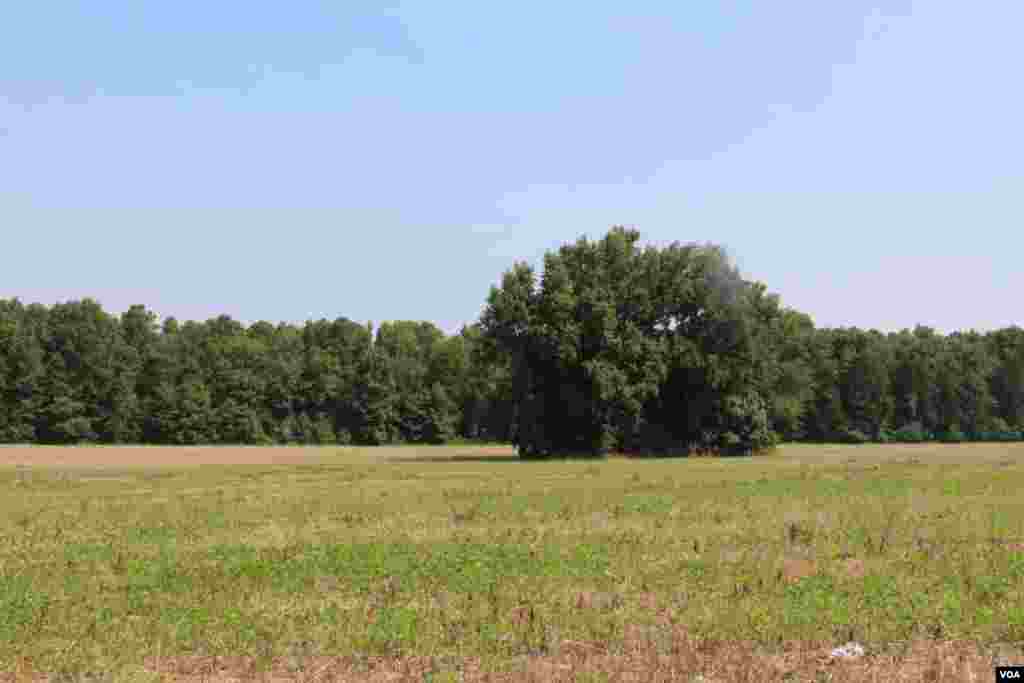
(156, 456)
(190, 456)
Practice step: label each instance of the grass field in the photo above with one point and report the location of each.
(463, 563)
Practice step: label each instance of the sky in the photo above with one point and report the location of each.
(388, 161)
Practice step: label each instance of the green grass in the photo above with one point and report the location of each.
(100, 568)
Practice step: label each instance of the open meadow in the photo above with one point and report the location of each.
(464, 563)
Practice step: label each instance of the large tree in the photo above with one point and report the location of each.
(647, 350)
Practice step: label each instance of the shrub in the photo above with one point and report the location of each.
(851, 436)
(952, 436)
(323, 431)
(76, 430)
(908, 434)
(744, 427)
(999, 436)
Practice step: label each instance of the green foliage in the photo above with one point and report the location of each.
(21, 607)
(952, 436)
(851, 436)
(650, 351)
(745, 425)
(1000, 436)
(613, 347)
(908, 434)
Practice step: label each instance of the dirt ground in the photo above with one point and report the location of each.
(69, 457)
(90, 457)
(685, 661)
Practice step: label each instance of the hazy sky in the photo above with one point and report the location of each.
(289, 160)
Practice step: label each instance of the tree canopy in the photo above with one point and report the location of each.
(618, 347)
(613, 346)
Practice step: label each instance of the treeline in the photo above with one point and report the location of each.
(72, 373)
(909, 386)
(612, 347)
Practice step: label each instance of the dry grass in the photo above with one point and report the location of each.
(464, 564)
(641, 659)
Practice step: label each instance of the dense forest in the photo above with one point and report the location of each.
(612, 347)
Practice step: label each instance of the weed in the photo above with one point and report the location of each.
(493, 561)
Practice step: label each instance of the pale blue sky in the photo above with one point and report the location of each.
(283, 161)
